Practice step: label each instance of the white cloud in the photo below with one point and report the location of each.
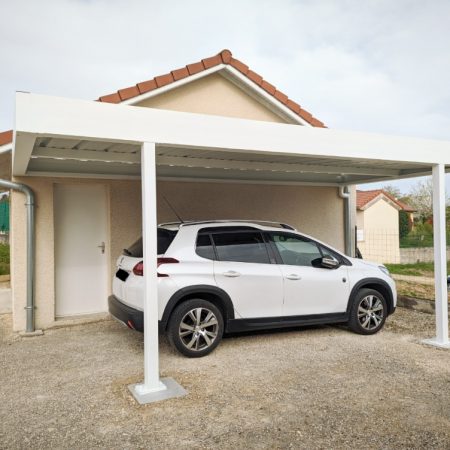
(373, 65)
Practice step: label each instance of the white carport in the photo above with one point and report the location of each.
(74, 138)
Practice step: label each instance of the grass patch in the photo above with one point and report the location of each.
(420, 269)
(4, 259)
(415, 290)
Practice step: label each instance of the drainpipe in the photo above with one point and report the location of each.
(344, 193)
(30, 247)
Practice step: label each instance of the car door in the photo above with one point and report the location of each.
(245, 271)
(309, 290)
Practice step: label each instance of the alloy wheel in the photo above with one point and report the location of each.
(370, 312)
(198, 329)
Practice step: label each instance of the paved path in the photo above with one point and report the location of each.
(5, 301)
(413, 279)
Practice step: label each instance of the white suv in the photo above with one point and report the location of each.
(220, 277)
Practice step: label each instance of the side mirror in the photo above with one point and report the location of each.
(330, 263)
(327, 262)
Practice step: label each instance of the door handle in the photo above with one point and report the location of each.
(293, 276)
(102, 246)
(232, 274)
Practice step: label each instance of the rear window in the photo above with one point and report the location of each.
(165, 238)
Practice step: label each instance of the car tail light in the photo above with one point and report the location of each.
(165, 261)
(138, 269)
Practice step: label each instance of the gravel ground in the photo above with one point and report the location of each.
(309, 388)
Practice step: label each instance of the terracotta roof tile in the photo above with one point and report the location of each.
(239, 65)
(306, 115)
(255, 77)
(147, 86)
(283, 98)
(111, 98)
(129, 92)
(163, 80)
(270, 88)
(6, 137)
(180, 73)
(293, 106)
(211, 62)
(195, 68)
(365, 197)
(226, 56)
(316, 123)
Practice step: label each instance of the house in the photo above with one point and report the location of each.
(107, 208)
(377, 221)
(218, 141)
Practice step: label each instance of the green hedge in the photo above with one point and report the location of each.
(4, 259)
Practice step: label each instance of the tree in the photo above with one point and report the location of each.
(392, 190)
(420, 197)
(403, 224)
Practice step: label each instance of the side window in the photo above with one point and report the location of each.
(241, 247)
(294, 250)
(204, 247)
(326, 252)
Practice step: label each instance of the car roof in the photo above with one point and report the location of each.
(259, 224)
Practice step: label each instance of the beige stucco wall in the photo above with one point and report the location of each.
(125, 224)
(213, 95)
(314, 210)
(296, 205)
(379, 223)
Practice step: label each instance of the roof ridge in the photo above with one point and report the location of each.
(223, 57)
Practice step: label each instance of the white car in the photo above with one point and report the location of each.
(221, 277)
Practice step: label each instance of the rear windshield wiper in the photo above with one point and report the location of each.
(127, 252)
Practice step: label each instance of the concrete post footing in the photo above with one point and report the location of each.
(169, 389)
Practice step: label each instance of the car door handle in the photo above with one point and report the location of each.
(293, 276)
(232, 274)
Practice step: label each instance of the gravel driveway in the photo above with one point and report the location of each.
(305, 388)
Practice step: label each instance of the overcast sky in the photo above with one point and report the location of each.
(372, 65)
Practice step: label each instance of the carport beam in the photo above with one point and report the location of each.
(152, 389)
(440, 258)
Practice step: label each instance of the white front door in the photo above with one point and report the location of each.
(81, 268)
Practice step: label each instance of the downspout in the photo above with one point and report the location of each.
(30, 247)
(344, 193)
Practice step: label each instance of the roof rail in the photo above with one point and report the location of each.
(199, 222)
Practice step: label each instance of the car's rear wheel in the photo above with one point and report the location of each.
(195, 328)
(368, 312)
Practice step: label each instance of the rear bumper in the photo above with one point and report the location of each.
(132, 318)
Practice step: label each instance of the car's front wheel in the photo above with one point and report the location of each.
(368, 312)
(195, 328)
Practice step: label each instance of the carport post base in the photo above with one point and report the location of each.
(435, 343)
(169, 388)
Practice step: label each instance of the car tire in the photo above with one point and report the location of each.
(368, 312)
(195, 328)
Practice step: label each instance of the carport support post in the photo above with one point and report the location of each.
(152, 389)
(440, 258)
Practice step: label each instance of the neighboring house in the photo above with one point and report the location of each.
(73, 211)
(377, 221)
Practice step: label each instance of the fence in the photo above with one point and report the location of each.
(379, 245)
(386, 246)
